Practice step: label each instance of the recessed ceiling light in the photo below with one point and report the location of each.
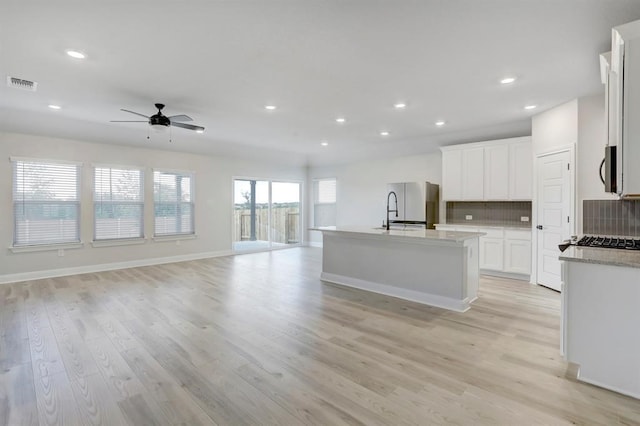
(440, 123)
(199, 131)
(341, 119)
(270, 107)
(507, 80)
(324, 143)
(531, 107)
(384, 133)
(76, 54)
(400, 105)
(54, 106)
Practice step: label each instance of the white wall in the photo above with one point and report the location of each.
(580, 123)
(362, 186)
(555, 128)
(552, 130)
(213, 200)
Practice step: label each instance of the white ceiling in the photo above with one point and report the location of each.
(220, 62)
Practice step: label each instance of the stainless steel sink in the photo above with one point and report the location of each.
(381, 228)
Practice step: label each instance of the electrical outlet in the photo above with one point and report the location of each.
(468, 217)
(60, 252)
(524, 218)
(178, 242)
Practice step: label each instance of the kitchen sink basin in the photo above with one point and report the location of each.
(398, 229)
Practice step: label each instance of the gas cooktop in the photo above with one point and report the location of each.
(609, 242)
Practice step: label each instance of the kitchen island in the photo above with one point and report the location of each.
(437, 268)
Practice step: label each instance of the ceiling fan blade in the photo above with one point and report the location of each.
(188, 126)
(129, 121)
(180, 117)
(133, 112)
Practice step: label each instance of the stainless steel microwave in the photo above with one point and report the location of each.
(609, 178)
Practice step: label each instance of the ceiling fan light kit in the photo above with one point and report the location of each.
(160, 128)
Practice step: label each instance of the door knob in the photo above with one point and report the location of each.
(539, 227)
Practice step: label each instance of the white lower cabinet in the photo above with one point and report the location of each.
(501, 249)
(517, 252)
(492, 249)
(491, 253)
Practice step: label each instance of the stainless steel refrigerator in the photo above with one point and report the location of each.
(418, 204)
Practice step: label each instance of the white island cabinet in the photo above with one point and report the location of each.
(600, 316)
(437, 268)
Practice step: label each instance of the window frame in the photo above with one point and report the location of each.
(119, 240)
(175, 235)
(316, 198)
(44, 245)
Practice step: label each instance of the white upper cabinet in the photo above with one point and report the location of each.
(452, 175)
(623, 106)
(473, 174)
(520, 171)
(498, 170)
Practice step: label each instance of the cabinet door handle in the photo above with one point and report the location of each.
(539, 227)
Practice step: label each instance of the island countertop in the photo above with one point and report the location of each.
(406, 234)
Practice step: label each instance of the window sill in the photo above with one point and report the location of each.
(45, 247)
(118, 242)
(175, 237)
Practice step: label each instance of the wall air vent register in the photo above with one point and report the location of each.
(19, 83)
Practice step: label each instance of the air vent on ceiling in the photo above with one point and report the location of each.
(19, 83)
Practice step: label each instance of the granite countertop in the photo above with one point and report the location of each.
(603, 256)
(405, 234)
(480, 225)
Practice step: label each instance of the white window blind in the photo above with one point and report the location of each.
(118, 203)
(173, 203)
(326, 191)
(46, 203)
(324, 208)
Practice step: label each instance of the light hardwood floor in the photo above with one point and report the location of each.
(259, 339)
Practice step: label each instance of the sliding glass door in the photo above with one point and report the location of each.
(266, 214)
(285, 213)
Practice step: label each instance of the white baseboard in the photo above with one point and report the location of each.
(52, 273)
(401, 293)
(315, 244)
(501, 274)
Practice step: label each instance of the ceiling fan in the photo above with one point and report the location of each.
(160, 121)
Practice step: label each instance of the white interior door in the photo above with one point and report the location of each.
(554, 215)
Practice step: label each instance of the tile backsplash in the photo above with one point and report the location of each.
(498, 213)
(611, 217)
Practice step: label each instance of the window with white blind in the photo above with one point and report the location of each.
(324, 205)
(173, 203)
(46, 202)
(118, 203)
